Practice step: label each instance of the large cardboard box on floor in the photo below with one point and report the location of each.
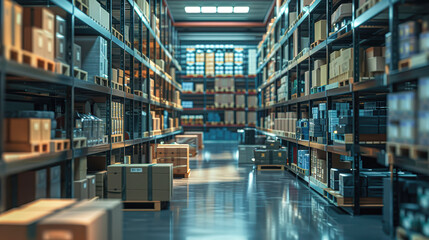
(191, 140)
(140, 182)
(200, 138)
(91, 224)
(113, 210)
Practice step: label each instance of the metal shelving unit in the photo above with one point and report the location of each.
(354, 34)
(22, 83)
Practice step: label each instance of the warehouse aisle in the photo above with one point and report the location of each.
(224, 201)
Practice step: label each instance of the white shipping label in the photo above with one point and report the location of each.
(18, 19)
(36, 126)
(50, 47)
(51, 25)
(40, 42)
(136, 170)
(61, 47)
(84, 185)
(78, 56)
(93, 181)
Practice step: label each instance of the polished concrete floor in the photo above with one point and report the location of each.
(223, 200)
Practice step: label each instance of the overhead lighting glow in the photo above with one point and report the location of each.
(208, 9)
(224, 9)
(241, 9)
(192, 9)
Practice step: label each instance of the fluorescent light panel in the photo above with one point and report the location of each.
(192, 9)
(208, 9)
(224, 9)
(241, 9)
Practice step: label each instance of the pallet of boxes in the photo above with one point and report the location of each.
(63, 219)
(176, 154)
(141, 187)
(191, 140)
(271, 156)
(200, 138)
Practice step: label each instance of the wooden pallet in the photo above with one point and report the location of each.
(270, 167)
(128, 43)
(37, 61)
(416, 152)
(314, 44)
(101, 81)
(117, 86)
(155, 132)
(81, 6)
(317, 89)
(366, 6)
(115, 138)
(340, 201)
(345, 82)
(402, 234)
(58, 145)
(80, 74)
(138, 93)
(13, 53)
(344, 138)
(142, 206)
(404, 64)
(62, 68)
(39, 147)
(79, 142)
(183, 175)
(117, 34)
(127, 89)
(295, 95)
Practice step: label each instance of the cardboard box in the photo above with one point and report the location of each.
(323, 75)
(48, 205)
(60, 26)
(376, 64)
(320, 30)
(374, 52)
(35, 185)
(46, 130)
(18, 224)
(91, 224)
(55, 182)
(60, 47)
(77, 56)
(81, 189)
(39, 17)
(12, 24)
(200, 138)
(100, 184)
(34, 40)
(80, 168)
(94, 10)
(113, 210)
(25, 130)
(91, 186)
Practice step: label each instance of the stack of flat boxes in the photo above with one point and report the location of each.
(140, 182)
(176, 154)
(210, 66)
(335, 177)
(401, 118)
(283, 90)
(84, 185)
(409, 39)
(375, 61)
(342, 15)
(117, 111)
(317, 124)
(371, 184)
(99, 14)
(303, 159)
(341, 65)
(302, 129)
(39, 31)
(144, 7)
(285, 122)
(318, 165)
(341, 110)
(319, 74)
(373, 118)
(94, 55)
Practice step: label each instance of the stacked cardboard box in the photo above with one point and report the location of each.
(319, 74)
(251, 118)
(318, 123)
(191, 140)
(210, 66)
(272, 153)
(229, 117)
(12, 24)
(117, 111)
(81, 185)
(60, 39)
(240, 117)
(99, 14)
(401, 117)
(39, 30)
(176, 154)
(140, 182)
(283, 90)
(375, 60)
(320, 31)
(341, 65)
(318, 165)
(224, 100)
(94, 55)
(240, 101)
(224, 85)
(343, 13)
(409, 39)
(303, 159)
(285, 122)
(118, 76)
(252, 101)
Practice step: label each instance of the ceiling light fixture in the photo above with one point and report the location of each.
(192, 9)
(241, 9)
(224, 9)
(208, 9)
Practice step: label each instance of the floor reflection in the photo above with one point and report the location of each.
(224, 201)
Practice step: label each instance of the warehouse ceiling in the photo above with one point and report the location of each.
(258, 10)
(240, 28)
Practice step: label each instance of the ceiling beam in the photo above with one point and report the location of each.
(219, 24)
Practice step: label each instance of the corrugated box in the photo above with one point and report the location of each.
(320, 30)
(35, 185)
(80, 167)
(39, 17)
(81, 189)
(91, 186)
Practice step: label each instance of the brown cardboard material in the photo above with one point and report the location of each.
(45, 130)
(81, 189)
(35, 185)
(49, 51)
(376, 64)
(48, 204)
(320, 30)
(91, 224)
(18, 224)
(24, 130)
(100, 183)
(114, 178)
(323, 75)
(80, 167)
(91, 186)
(136, 177)
(39, 17)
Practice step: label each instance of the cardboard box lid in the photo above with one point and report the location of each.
(22, 216)
(48, 204)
